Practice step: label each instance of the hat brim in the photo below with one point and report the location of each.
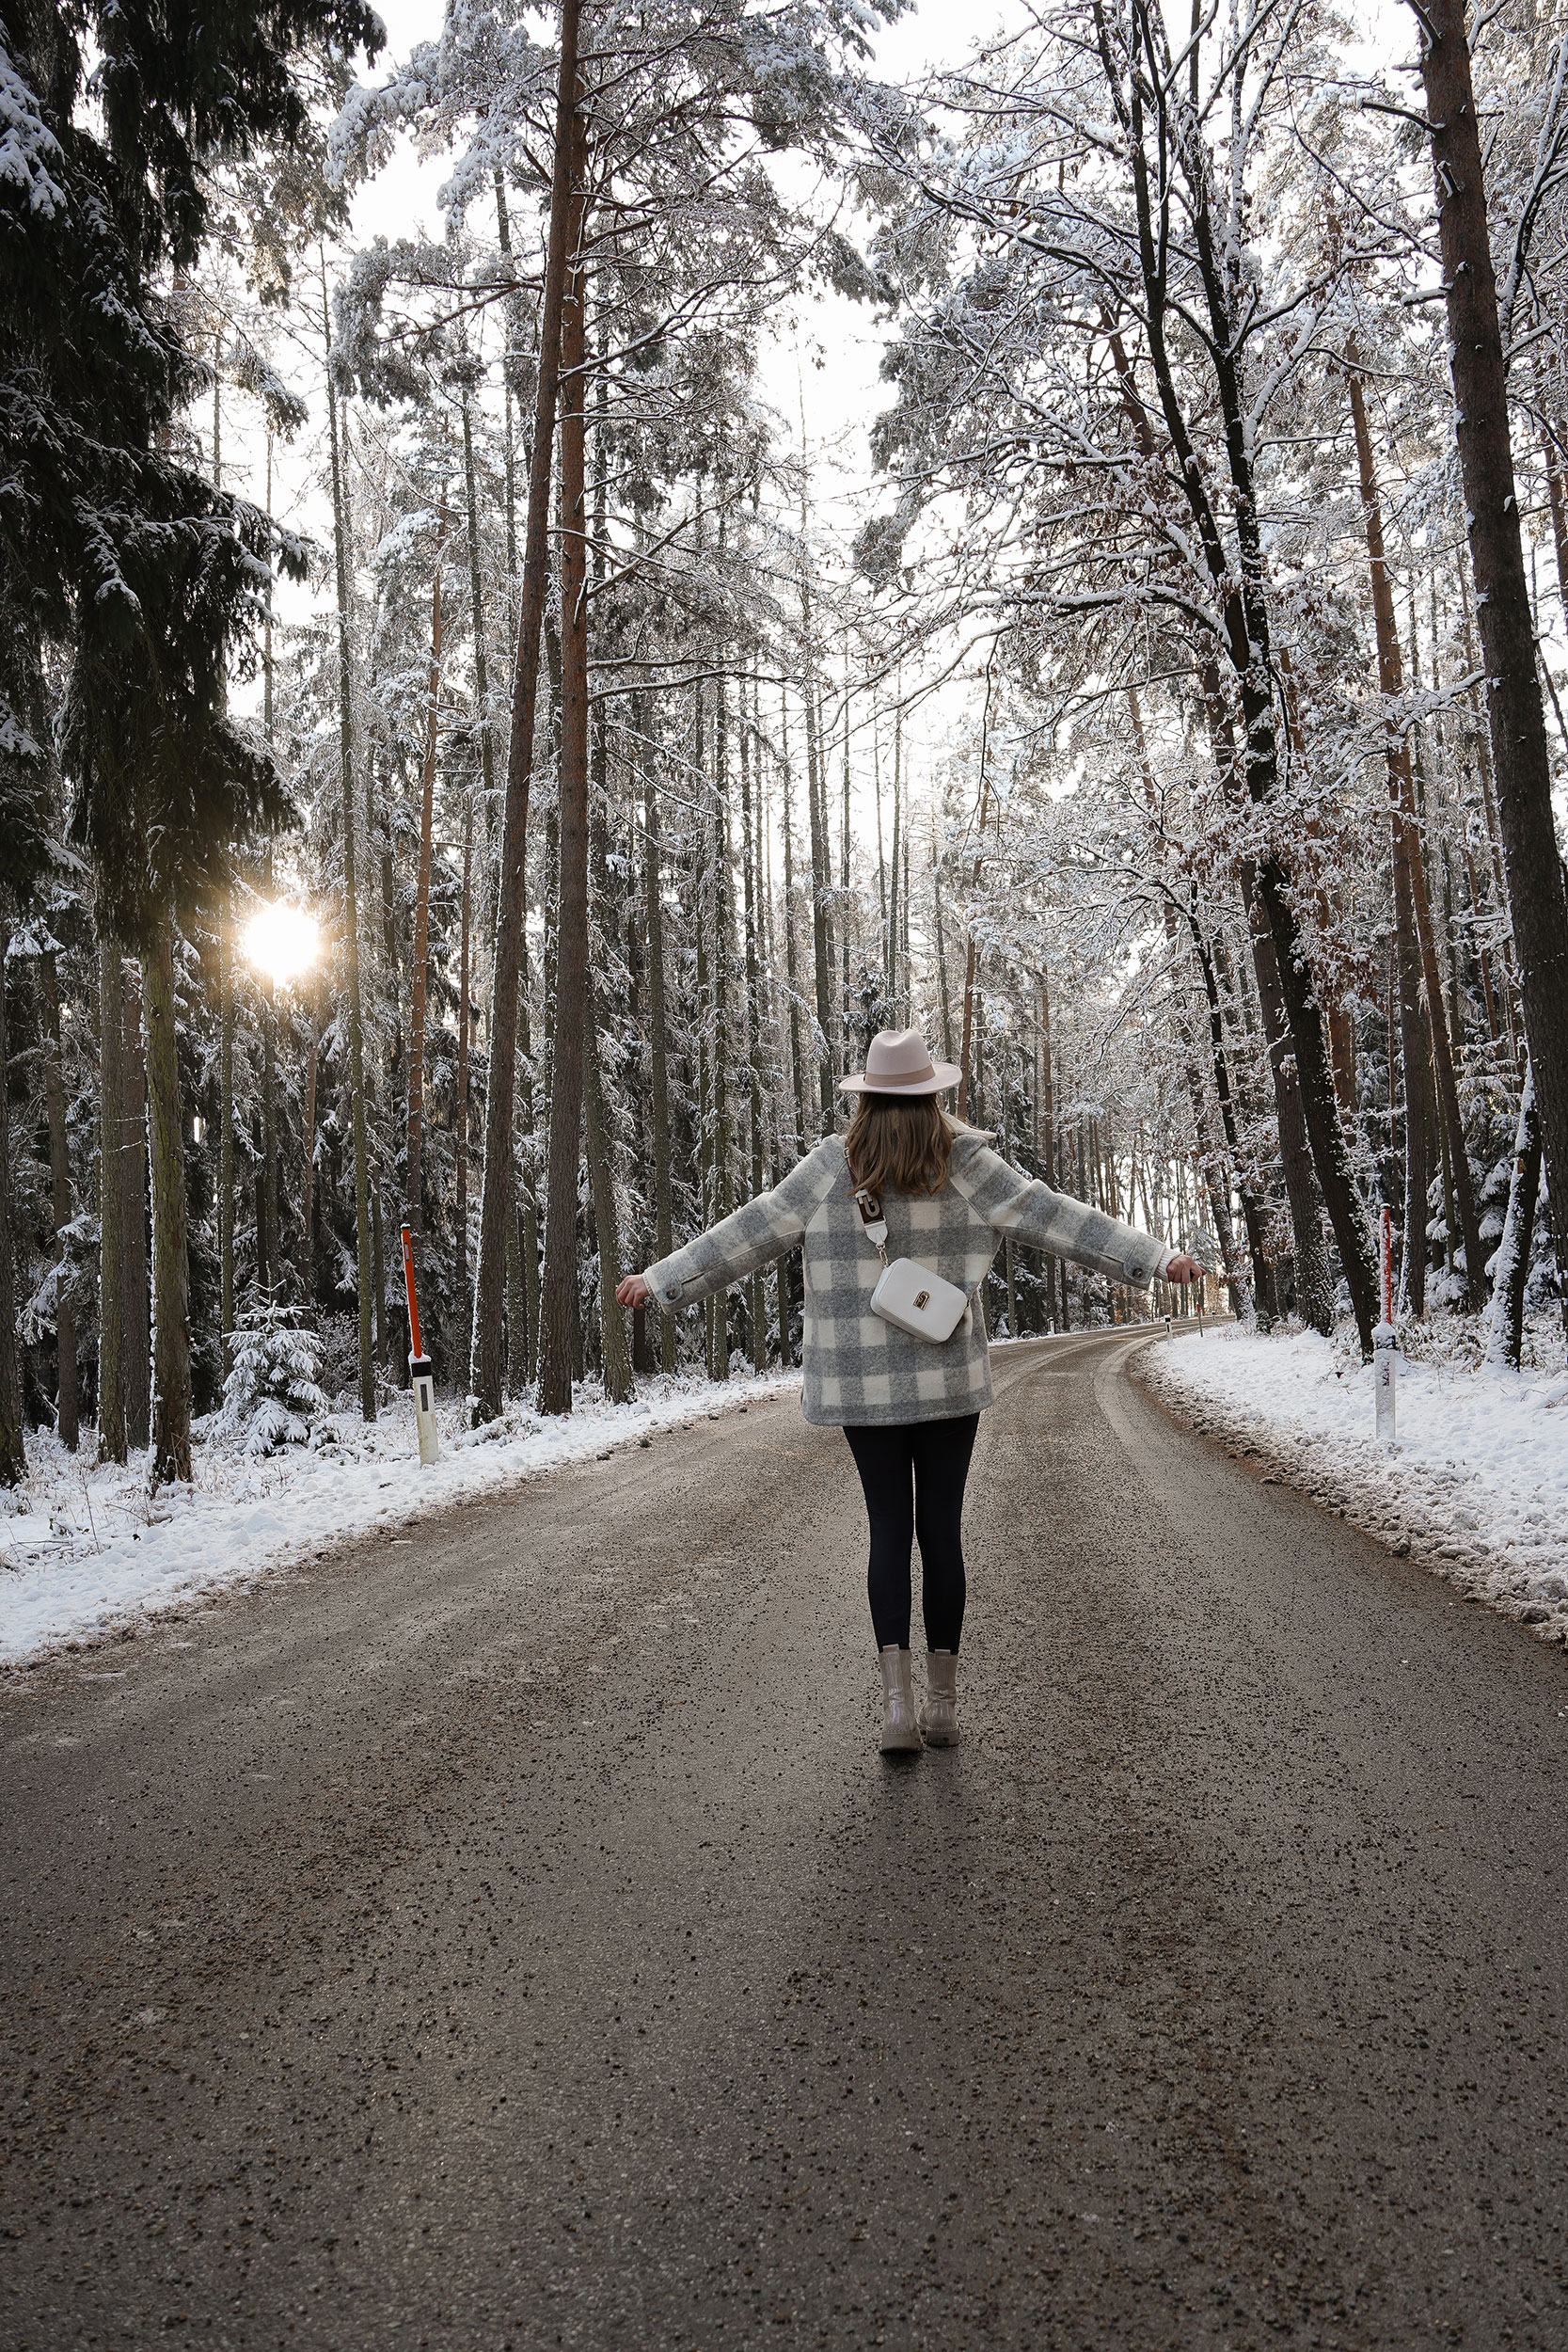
(945, 1074)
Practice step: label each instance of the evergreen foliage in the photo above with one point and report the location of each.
(270, 1398)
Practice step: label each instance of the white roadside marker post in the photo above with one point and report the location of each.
(1385, 1359)
(421, 1372)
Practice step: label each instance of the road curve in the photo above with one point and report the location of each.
(510, 1938)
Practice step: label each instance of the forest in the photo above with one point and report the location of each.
(464, 767)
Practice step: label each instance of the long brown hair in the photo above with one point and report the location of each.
(901, 1143)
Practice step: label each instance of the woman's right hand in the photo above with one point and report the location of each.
(631, 1290)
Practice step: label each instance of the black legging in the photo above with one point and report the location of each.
(937, 1452)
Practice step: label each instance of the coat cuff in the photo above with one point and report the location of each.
(665, 1283)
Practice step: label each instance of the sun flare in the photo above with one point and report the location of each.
(281, 941)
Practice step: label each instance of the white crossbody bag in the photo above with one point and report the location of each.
(909, 1296)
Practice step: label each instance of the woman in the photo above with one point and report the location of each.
(909, 1406)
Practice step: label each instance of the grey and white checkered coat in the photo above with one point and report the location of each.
(858, 1368)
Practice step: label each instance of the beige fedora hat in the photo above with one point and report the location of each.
(899, 1063)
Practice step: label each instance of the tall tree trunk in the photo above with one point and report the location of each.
(792, 961)
(1537, 898)
(307, 1185)
(559, 1290)
(465, 1034)
(476, 610)
(269, 1010)
(420, 975)
(14, 1450)
(487, 772)
(723, 1158)
(601, 1179)
(1341, 1047)
(498, 1192)
(365, 1278)
(1442, 1028)
(897, 854)
(820, 878)
(1506, 1338)
(139, 1322)
(971, 960)
(226, 1135)
(521, 1301)
(1558, 501)
(702, 868)
(758, 1312)
(503, 238)
(664, 1234)
(1213, 1159)
(66, 1404)
(378, 1276)
(943, 992)
(171, 1338)
(844, 838)
(1045, 1127)
(112, 1446)
(881, 858)
(1402, 803)
(1313, 1277)
(526, 1195)
(269, 1260)
(598, 1131)
(1241, 1300)
(1480, 736)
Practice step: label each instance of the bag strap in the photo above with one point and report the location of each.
(872, 1220)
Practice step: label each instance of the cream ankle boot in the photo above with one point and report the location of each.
(939, 1717)
(900, 1732)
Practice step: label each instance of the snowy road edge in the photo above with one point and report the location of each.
(203, 1546)
(1408, 1532)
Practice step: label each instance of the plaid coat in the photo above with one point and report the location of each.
(859, 1369)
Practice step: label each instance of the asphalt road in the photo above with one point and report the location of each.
(512, 1938)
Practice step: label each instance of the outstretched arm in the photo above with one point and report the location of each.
(759, 1231)
(1053, 1221)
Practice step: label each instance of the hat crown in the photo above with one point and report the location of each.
(899, 1061)
(898, 1055)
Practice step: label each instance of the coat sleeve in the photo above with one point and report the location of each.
(759, 1231)
(1012, 1203)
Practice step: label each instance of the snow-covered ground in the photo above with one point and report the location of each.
(86, 1551)
(1476, 1484)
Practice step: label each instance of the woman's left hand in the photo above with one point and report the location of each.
(1181, 1269)
(631, 1290)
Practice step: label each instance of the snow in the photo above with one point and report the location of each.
(87, 1551)
(1476, 1484)
(29, 152)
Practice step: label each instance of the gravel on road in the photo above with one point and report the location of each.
(511, 1937)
